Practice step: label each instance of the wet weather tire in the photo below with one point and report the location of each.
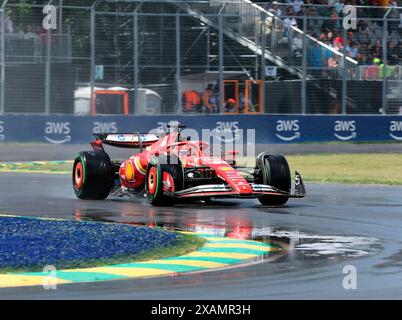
(92, 175)
(273, 170)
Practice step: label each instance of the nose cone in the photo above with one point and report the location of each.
(243, 188)
(235, 180)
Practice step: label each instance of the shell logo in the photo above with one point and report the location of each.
(225, 168)
(129, 171)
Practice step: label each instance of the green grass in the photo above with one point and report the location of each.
(349, 168)
(363, 168)
(58, 167)
(185, 244)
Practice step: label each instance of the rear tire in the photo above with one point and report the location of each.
(164, 176)
(273, 170)
(92, 175)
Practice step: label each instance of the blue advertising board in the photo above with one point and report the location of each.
(69, 129)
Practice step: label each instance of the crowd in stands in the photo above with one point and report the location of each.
(364, 44)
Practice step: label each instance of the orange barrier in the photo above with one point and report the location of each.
(118, 92)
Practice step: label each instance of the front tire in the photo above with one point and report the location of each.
(273, 170)
(92, 175)
(164, 176)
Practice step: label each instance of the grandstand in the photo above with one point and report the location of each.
(269, 57)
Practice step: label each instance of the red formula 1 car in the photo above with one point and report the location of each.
(171, 170)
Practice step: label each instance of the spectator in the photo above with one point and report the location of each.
(242, 102)
(230, 105)
(338, 42)
(361, 59)
(376, 49)
(372, 72)
(209, 100)
(289, 22)
(335, 21)
(351, 50)
(375, 32)
(332, 67)
(330, 36)
(297, 46)
(389, 70)
(297, 5)
(363, 35)
(276, 9)
(314, 24)
(339, 6)
(315, 59)
(8, 24)
(266, 25)
(215, 99)
(29, 33)
(394, 37)
(192, 100)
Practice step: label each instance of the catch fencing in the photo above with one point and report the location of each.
(198, 57)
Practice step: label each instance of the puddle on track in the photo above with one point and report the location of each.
(298, 244)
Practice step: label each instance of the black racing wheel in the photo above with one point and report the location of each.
(273, 170)
(93, 175)
(164, 176)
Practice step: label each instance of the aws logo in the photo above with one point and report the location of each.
(345, 130)
(227, 131)
(287, 130)
(395, 128)
(58, 132)
(2, 135)
(104, 127)
(162, 128)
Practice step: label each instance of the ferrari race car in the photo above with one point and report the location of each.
(172, 170)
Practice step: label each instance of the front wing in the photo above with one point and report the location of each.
(225, 191)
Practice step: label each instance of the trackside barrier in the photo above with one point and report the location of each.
(65, 129)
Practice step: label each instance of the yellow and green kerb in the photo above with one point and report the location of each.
(218, 252)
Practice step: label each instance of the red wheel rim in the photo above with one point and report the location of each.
(168, 183)
(78, 177)
(152, 181)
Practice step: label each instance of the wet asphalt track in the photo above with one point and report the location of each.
(366, 219)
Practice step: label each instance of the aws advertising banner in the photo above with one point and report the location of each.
(65, 129)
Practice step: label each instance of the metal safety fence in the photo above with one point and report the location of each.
(199, 57)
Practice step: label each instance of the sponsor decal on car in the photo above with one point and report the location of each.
(225, 169)
(138, 166)
(129, 172)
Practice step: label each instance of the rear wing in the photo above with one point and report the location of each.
(128, 140)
